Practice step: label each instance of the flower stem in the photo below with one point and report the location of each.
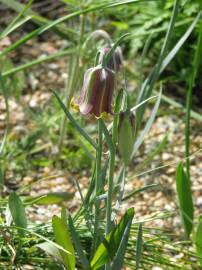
(110, 192)
(109, 224)
(111, 177)
(98, 186)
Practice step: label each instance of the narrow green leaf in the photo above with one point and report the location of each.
(1, 176)
(4, 90)
(198, 240)
(185, 199)
(148, 125)
(17, 210)
(76, 241)
(63, 238)
(12, 28)
(74, 122)
(37, 61)
(135, 192)
(111, 243)
(51, 198)
(119, 258)
(195, 115)
(18, 20)
(138, 247)
(180, 43)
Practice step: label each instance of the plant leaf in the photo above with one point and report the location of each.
(74, 122)
(63, 238)
(110, 245)
(148, 125)
(119, 259)
(179, 44)
(185, 199)
(139, 246)
(17, 210)
(50, 249)
(198, 240)
(51, 198)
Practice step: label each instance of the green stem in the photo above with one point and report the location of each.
(196, 63)
(98, 186)
(109, 224)
(110, 191)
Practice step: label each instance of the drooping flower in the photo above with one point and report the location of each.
(126, 135)
(115, 61)
(97, 91)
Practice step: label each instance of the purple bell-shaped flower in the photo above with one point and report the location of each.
(97, 91)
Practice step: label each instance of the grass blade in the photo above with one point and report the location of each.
(18, 20)
(172, 102)
(38, 61)
(148, 125)
(138, 247)
(12, 28)
(74, 122)
(4, 90)
(135, 192)
(198, 240)
(185, 199)
(180, 43)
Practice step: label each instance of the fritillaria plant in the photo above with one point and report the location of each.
(100, 96)
(96, 98)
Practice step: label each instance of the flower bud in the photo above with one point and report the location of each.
(126, 135)
(115, 61)
(97, 91)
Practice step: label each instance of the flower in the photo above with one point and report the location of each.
(115, 61)
(97, 91)
(126, 135)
